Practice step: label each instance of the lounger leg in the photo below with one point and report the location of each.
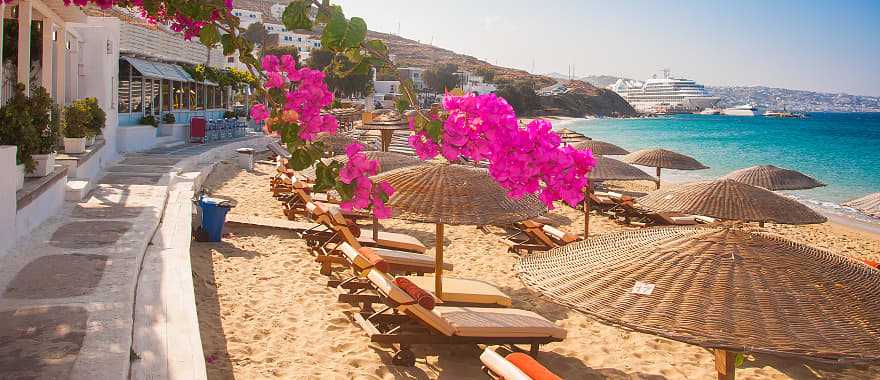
(533, 350)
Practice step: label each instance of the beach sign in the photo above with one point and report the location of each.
(642, 288)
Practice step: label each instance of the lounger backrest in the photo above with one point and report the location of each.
(531, 224)
(559, 235)
(278, 149)
(385, 285)
(501, 367)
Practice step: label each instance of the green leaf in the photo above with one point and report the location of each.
(296, 15)
(324, 17)
(341, 34)
(740, 359)
(402, 104)
(377, 46)
(228, 42)
(300, 159)
(345, 191)
(209, 35)
(435, 130)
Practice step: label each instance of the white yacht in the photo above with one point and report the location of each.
(743, 110)
(675, 94)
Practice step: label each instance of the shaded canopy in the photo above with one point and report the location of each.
(869, 204)
(732, 200)
(387, 160)
(662, 158)
(336, 144)
(601, 148)
(455, 194)
(773, 178)
(608, 169)
(569, 136)
(719, 287)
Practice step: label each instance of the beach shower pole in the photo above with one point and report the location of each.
(658, 177)
(438, 262)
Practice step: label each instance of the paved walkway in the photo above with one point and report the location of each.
(67, 292)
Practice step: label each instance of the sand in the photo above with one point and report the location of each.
(265, 312)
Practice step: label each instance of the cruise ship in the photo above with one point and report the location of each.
(664, 95)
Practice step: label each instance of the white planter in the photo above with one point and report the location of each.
(19, 177)
(45, 165)
(90, 141)
(74, 145)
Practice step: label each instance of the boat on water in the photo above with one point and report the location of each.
(784, 114)
(743, 110)
(710, 111)
(665, 95)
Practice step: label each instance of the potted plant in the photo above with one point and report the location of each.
(150, 120)
(46, 120)
(16, 128)
(99, 118)
(77, 119)
(168, 118)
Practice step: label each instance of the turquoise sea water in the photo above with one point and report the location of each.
(839, 149)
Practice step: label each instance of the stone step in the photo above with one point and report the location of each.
(77, 189)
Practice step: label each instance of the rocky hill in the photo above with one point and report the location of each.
(582, 100)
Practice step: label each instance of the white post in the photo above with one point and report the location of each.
(25, 12)
(46, 61)
(2, 64)
(8, 203)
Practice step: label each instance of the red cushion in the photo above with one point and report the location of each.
(423, 298)
(374, 259)
(531, 367)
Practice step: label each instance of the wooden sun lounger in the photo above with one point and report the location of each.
(326, 248)
(279, 150)
(456, 291)
(404, 322)
(339, 226)
(534, 236)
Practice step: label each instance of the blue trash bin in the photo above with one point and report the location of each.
(213, 216)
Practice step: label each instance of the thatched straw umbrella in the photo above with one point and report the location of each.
(662, 158)
(453, 194)
(601, 148)
(723, 288)
(731, 200)
(386, 124)
(336, 144)
(773, 178)
(609, 169)
(568, 136)
(869, 204)
(388, 161)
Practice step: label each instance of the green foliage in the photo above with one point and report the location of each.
(296, 15)
(99, 118)
(521, 96)
(209, 35)
(401, 104)
(341, 34)
(46, 120)
(333, 65)
(256, 33)
(149, 120)
(225, 77)
(78, 119)
(168, 118)
(16, 128)
(442, 77)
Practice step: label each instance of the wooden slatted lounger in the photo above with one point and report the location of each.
(534, 236)
(338, 221)
(456, 291)
(404, 322)
(325, 242)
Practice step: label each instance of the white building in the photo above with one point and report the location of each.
(247, 16)
(415, 75)
(472, 83)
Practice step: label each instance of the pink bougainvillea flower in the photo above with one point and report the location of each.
(259, 112)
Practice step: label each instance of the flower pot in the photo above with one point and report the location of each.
(90, 141)
(45, 165)
(74, 145)
(19, 177)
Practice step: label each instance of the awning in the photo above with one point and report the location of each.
(158, 70)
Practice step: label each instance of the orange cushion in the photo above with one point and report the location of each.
(871, 263)
(423, 298)
(531, 367)
(374, 259)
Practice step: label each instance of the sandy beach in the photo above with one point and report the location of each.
(266, 312)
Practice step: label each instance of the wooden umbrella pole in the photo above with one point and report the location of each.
(375, 228)
(438, 263)
(725, 364)
(658, 177)
(587, 213)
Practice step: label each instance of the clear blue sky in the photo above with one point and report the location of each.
(829, 46)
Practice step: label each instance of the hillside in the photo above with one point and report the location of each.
(583, 100)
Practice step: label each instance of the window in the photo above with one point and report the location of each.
(230, 59)
(124, 88)
(166, 96)
(210, 94)
(137, 95)
(192, 96)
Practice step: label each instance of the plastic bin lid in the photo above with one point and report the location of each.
(217, 201)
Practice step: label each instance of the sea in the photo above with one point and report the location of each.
(840, 149)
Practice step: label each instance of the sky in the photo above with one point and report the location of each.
(827, 46)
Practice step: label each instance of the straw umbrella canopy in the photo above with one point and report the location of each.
(387, 160)
(569, 136)
(869, 204)
(732, 200)
(609, 169)
(442, 193)
(601, 148)
(336, 144)
(724, 288)
(662, 158)
(773, 178)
